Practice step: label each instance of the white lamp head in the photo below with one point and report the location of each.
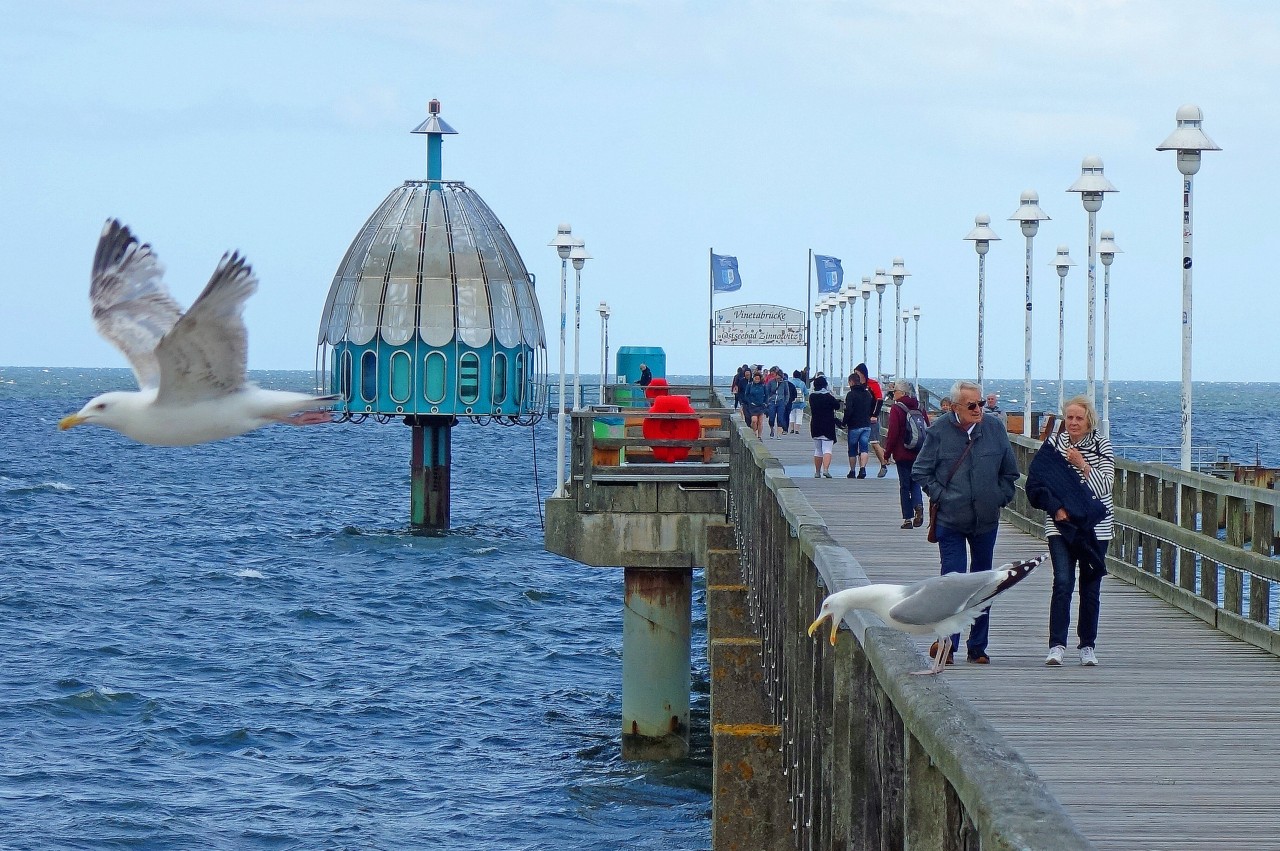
(880, 281)
(982, 235)
(563, 241)
(1029, 214)
(1063, 261)
(1107, 248)
(578, 253)
(915, 313)
(1188, 139)
(866, 287)
(899, 271)
(1091, 184)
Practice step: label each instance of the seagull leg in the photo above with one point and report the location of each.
(944, 648)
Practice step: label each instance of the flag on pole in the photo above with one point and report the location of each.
(830, 273)
(724, 273)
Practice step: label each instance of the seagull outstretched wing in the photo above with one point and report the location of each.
(132, 307)
(205, 354)
(940, 597)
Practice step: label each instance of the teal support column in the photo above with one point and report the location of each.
(655, 663)
(429, 473)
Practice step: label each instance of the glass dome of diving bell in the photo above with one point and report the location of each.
(432, 311)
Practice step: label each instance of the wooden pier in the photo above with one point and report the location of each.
(1171, 742)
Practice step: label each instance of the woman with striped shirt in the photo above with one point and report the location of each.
(1091, 456)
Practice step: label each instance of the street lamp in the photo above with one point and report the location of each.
(899, 274)
(915, 314)
(578, 256)
(563, 244)
(906, 317)
(1188, 140)
(1029, 215)
(1107, 251)
(881, 282)
(842, 300)
(1091, 185)
(1062, 263)
(866, 302)
(817, 324)
(831, 333)
(981, 236)
(603, 310)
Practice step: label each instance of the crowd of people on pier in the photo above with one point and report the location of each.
(962, 459)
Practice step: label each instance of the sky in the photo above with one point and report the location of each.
(659, 130)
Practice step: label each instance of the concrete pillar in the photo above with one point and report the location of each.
(655, 662)
(430, 457)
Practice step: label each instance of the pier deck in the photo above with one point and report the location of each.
(1172, 742)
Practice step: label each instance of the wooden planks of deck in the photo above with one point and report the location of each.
(1172, 742)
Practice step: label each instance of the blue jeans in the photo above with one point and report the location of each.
(908, 490)
(1064, 580)
(858, 438)
(961, 552)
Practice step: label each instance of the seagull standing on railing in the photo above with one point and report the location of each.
(940, 605)
(191, 367)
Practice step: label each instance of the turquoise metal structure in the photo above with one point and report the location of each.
(432, 316)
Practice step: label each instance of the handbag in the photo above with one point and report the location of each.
(932, 536)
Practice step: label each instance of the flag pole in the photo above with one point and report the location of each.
(808, 330)
(711, 325)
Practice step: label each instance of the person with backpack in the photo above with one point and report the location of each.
(907, 425)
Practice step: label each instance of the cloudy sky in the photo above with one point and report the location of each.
(865, 130)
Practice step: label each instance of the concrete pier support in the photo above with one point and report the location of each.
(430, 456)
(655, 663)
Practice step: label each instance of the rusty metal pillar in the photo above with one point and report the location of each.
(655, 663)
(429, 461)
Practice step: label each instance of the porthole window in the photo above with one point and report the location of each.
(435, 378)
(401, 376)
(369, 376)
(469, 378)
(519, 379)
(499, 378)
(344, 376)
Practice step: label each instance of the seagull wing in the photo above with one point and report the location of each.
(205, 355)
(940, 597)
(132, 307)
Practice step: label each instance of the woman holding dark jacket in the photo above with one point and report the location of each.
(1071, 478)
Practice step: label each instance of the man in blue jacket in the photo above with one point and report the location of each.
(968, 469)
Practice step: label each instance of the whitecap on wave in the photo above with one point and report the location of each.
(249, 573)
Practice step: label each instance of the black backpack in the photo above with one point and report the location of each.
(916, 426)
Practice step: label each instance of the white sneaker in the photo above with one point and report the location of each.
(1088, 657)
(1056, 655)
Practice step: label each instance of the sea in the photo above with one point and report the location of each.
(242, 644)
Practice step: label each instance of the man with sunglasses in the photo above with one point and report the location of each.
(968, 469)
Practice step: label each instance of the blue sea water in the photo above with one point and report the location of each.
(239, 645)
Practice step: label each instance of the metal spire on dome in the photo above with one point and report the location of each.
(435, 129)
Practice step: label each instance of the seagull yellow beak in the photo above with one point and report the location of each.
(68, 422)
(813, 627)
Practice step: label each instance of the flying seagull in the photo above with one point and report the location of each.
(940, 605)
(190, 366)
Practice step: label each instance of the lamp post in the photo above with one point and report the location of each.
(1029, 215)
(866, 303)
(981, 236)
(603, 310)
(899, 274)
(578, 256)
(906, 318)
(1188, 140)
(563, 244)
(1062, 263)
(843, 300)
(853, 292)
(881, 282)
(831, 333)
(915, 314)
(817, 324)
(1091, 185)
(1107, 251)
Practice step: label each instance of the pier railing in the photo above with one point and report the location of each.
(1203, 544)
(873, 757)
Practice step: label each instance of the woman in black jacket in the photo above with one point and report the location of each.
(822, 425)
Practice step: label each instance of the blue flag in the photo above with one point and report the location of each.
(830, 273)
(724, 273)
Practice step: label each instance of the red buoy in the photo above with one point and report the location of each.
(671, 429)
